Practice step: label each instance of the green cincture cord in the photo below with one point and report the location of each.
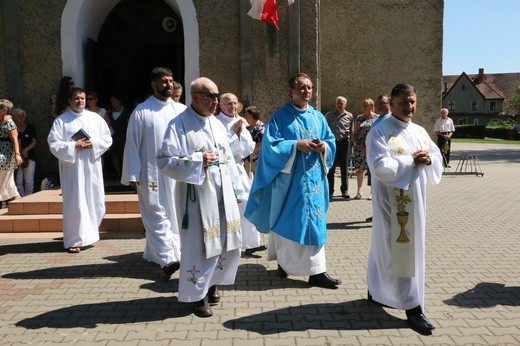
(190, 196)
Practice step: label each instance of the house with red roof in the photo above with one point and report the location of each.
(479, 98)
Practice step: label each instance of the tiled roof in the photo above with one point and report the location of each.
(493, 86)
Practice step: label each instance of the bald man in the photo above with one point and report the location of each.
(196, 153)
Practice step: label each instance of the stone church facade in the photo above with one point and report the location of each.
(354, 48)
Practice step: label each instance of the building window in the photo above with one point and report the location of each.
(474, 105)
(475, 121)
(463, 87)
(492, 105)
(462, 121)
(451, 105)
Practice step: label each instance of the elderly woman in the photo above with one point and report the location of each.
(27, 136)
(361, 127)
(10, 156)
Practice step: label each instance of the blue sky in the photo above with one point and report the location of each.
(481, 33)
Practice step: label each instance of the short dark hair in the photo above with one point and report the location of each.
(76, 90)
(254, 111)
(159, 72)
(402, 88)
(292, 81)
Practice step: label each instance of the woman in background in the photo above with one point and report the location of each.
(27, 136)
(10, 156)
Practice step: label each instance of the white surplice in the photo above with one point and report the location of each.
(242, 146)
(81, 175)
(146, 128)
(183, 161)
(389, 147)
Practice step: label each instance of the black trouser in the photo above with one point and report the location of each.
(445, 148)
(341, 160)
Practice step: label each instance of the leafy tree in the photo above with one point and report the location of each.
(514, 102)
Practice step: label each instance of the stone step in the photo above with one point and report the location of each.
(51, 202)
(42, 212)
(127, 223)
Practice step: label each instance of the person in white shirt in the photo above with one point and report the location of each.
(444, 129)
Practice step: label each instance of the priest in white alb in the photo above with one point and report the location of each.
(402, 158)
(242, 145)
(78, 138)
(196, 153)
(144, 135)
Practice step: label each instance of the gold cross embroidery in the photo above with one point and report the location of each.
(153, 186)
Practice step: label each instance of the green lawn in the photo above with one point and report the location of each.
(486, 140)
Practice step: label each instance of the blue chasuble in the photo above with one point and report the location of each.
(292, 201)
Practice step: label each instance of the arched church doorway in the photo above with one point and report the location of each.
(135, 37)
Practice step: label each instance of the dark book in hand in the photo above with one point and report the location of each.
(81, 134)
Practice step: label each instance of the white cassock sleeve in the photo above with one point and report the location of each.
(61, 147)
(131, 158)
(174, 159)
(242, 145)
(395, 170)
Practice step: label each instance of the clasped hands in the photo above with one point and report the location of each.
(421, 157)
(307, 146)
(83, 144)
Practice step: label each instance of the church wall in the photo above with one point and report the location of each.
(39, 50)
(352, 47)
(3, 63)
(369, 46)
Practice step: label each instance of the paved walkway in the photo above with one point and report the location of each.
(107, 295)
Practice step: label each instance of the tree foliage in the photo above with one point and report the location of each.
(514, 102)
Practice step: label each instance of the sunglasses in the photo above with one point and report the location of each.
(208, 96)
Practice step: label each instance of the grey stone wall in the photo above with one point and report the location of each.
(39, 71)
(3, 66)
(369, 46)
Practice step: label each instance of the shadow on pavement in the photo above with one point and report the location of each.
(352, 315)
(119, 312)
(355, 225)
(256, 277)
(487, 294)
(510, 155)
(39, 247)
(128, 266)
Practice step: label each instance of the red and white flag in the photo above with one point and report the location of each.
(265, 10)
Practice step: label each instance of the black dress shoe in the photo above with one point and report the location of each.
(250, 252)
(213, 295)
(345, 195)
(368, 219)
(420, 324)
(171, 268)
(323, 280)
(202, 309)
(282, 273)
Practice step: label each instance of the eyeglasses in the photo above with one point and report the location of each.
(208, 96)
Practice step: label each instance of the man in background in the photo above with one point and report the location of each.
(340, 122)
